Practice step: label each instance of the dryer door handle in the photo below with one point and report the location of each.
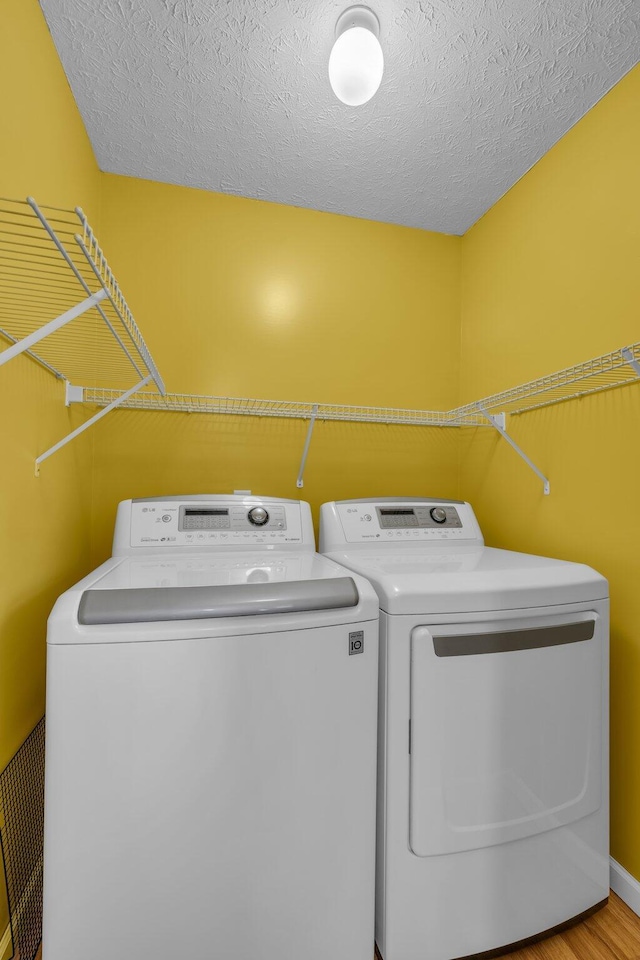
(530, 638)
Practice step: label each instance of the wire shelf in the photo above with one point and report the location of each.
(50, 262)
(556, 388)
(244, 406)
(55, 280)
(615, 369)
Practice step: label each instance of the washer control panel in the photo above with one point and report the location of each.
(213, 522)
(411, 521)
(419, 516)
(241, 517)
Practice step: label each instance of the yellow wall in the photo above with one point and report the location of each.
(44, 151)
(244, 298)
(551, 276)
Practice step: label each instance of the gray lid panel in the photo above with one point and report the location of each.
(200, 603)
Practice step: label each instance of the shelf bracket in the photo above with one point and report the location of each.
(74, 269)
(72, 394)
(627, 354)
(307, 444)
(51, 327)
(88, 423)
(499, 422)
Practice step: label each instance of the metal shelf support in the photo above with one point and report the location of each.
(627, 354)
(307, 444)
(499, 422)
(50, 259)
(74, 269)
(23, 345)
(72, 394)
(88, 423)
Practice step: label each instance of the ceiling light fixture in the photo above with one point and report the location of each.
(356, 63)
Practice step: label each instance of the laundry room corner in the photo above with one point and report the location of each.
(550, 277)
(370, 640)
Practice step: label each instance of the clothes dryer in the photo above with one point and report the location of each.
(493, 730)
(211, 742)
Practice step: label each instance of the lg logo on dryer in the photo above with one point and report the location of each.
(356, 642)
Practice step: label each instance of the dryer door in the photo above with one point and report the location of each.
(506, 729)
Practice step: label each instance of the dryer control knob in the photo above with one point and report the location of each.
(438, 514)
(258, 516)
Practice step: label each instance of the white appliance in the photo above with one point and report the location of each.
(493, 730)
(211, 742)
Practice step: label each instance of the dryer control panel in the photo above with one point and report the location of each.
(393, 521)
(211, 522)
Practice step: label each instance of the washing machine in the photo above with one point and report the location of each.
(493, 730)
(211, 742)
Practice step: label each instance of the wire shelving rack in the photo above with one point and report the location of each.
(61, 305)
(50, 264)
(288, 409)
(615, 369)
(611, 370)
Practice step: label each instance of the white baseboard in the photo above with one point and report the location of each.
(626, 886)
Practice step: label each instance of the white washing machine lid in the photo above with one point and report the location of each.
(130, 599)
(469, 579)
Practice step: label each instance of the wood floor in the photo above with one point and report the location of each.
(611, 934)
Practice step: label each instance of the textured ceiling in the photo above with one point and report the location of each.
(234, 96)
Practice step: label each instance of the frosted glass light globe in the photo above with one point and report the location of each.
(356, 66)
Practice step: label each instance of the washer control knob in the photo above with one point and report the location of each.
(438, 514)
(258, 516)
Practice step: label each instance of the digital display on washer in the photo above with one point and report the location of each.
(397, 517)
(205, 518)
